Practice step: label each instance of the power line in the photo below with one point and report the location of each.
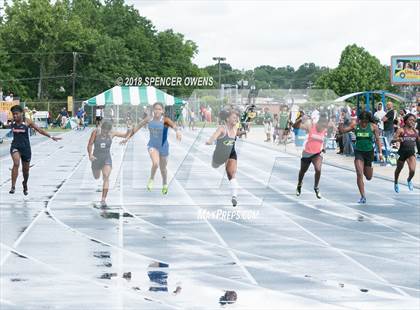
(36, 78)
(43, 53)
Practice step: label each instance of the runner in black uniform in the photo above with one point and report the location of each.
(225, 153)
(101, 140)
(407, 136)
(20, 149)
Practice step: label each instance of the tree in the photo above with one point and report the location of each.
(357, 71)
(111, 40)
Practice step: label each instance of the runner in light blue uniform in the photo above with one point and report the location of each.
(158, 136)
(158, 145)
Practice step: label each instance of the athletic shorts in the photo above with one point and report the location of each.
(366, 156)
(307, 158)
(220, 160)
(162, 149)
(25, 152)
(267, 128)
(98, 118)
(405, 154)
(100, 162)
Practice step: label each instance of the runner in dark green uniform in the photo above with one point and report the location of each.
(268, 122)
(283, 124)
(366, 132)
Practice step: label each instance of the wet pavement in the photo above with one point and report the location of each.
(191, 249)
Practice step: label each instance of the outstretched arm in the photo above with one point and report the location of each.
(168, 122)
(306, 125)
(349, 128)
(121, 134)
(41, 131)
(217, 134)
(131, 133)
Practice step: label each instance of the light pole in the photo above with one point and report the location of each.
(219, 59)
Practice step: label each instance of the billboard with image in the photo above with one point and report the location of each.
(405, 70)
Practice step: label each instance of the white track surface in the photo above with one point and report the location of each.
(58, 248)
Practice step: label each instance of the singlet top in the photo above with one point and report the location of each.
(364, 137)
(102, 145)
(315, 140)
(408, 140)
(20, 135)
(225, 145)
(158, 133)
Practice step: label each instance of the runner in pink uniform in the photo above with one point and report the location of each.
(312, 151)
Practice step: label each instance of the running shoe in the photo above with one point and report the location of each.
(298, 189)
(396, 187)
(25, 188)
(318, 195)
(165, 189)
(149, 185)
(234, 201)
(410, 185)
(103, 204)
(362, 200)
(12, 190)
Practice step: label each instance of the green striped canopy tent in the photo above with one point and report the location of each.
(133, 95)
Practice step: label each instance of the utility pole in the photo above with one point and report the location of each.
(74, 80)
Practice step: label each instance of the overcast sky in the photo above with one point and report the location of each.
(277, 32)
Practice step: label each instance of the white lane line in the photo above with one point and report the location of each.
(368, 215)
(340, 206)
(226, 246)
(307, 204)
(44, 157)
(263, 257)
(88, 280)
(328, 245)
(333, 167)
(218, 236)
(40, 214)
(384, 281)
(120, 271)
(7, 302)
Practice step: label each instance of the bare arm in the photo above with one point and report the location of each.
(306, 125)
(120, 134)
(143, 123)
(90, 144)
(41, 131)
(377, 140)
(216, 135)
(397, 135)
(349, 128)
(168, 122)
